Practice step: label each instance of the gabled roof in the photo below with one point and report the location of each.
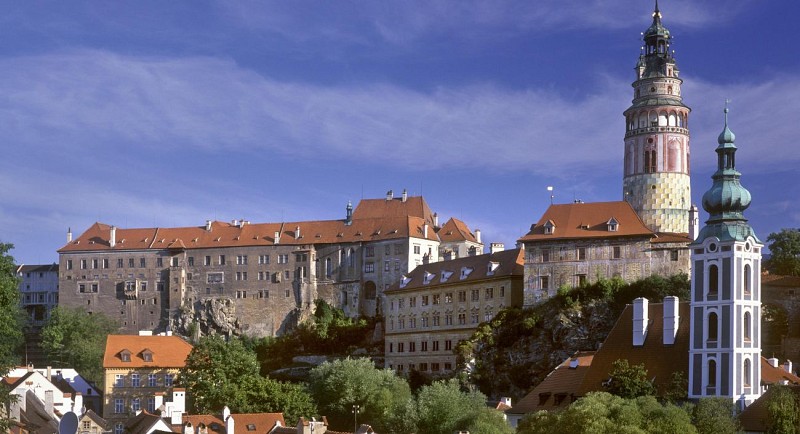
(455, 230)
(378, 221)
(509, 263)
(47, 268)
(755, 418)
(588, 220)
(168, 351)
(144, 422)
(259, 422)
(558, 389)
(94, 417)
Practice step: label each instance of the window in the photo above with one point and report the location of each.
(221, 259)
(489, 293)
(424, 300)
(746, 373)
(142, 263)
(151, 405)
(369, 251)
(475, 318)
(83, 264)
(148, 356)
(424, 346)
(287, 293)
(136, 404)
(713, 281)
(544, 282)
(263, 259)
(215, 277)
(581, 280)
(416, 249)
(424, 321)
(152, 380)
(94, 264)
(412, 323)
(369, 267)
(159, 262)
(131, 263)
(448, 297)
(423, 367)
(476, 294)
(400, 347)
(119, 380)
(241, 260)
(746, 324)
(462, 319)
(135, 380)
(545, 255)
(264, 293)
(412, 347)
(126, 357)
(616, 252)
(401, 323)
(747, 276)
(436, 320)
(119, 428)
(581, 253)
(673, 255)
(104, 263)
(241, 275)
(712, 376)
(283, 259)
(434, 367)
(386, 265)
(207, 260)
(86, 425)
(412, 301)
(448, 345)
(435, 345)
(69, 264)
(191, 261)
(436, 298)
(448, 319)
(712, 327)
(387, 250)
(448, 366)
(119, 406)
(168, 378)
(462, 296)
(143, 286)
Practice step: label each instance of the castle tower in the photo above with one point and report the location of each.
(656, 172)
(725, 345)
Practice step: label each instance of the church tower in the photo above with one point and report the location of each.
(656, 172)
(725, 343)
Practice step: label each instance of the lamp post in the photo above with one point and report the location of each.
(356, 409)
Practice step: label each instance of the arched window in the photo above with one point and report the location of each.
(747, 323)
(746, 373)
(672, 121)
(712, 376)
(351, 254)
(662, 119)
(370, 290)
(328, 268)
(713, 281)
(713, 327)
(747, 276)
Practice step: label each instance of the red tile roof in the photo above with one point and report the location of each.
(559, 388)
(509, 263)
(244, 423)
(168, 351)
(456, 230)
(414, 206)
(588, 220)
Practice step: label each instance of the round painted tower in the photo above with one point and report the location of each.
(656, 172)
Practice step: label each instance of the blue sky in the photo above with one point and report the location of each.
(153, 113)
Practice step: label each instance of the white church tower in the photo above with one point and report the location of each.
(725, 345)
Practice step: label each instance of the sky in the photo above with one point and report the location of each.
(165, 114)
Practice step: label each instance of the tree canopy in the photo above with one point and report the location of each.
(443, 408)
(73, 339)
(221, 373)
(784, 248)
(11, 319)
(629, 381)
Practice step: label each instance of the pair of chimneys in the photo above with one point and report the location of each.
(641, 320)
(390, 195)
(787, 365)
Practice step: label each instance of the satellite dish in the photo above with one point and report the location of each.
(68, 424)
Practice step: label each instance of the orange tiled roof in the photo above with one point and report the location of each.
(168, 351)
(509, 263)
(373, 225)
(771, 374)
(780, 281)
(559, 388)
(414, 206)
(456, 230)
(244, 423)
(588, 220)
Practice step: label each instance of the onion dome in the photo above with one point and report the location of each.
(727, 199)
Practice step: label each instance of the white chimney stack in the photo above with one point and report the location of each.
(671, 319)
(425, 230)
(77, 406)
(69, 235)
(435, 220)
(478, 235)
(297, 233)
(112, 241)
(389, 195)
(405, 195)
(787, 366)
(773, 362)
(694, 222)
(277, 237)
(226, 417)
(208, 225)
(640, 321)
(496, 247)
(159, 399)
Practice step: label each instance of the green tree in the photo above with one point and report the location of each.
(782, 406)
(223, 374)
(11, 320)
(443, 408)
(715, 415)
(629, 381)
(784, 248)
(73, 339)
(381, 395)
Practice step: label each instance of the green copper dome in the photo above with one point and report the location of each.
(656, 29)
(727, 199)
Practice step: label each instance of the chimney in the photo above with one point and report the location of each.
(297, 233)
(208, 225)
(773, 362)
(159, 399)
(694, 222)
(48, 402)
(435, 220)
(787, 366)
(478, 236)
(671, 319)
(179, 400)
(77, 406)
(496, 247)
(349, 218)
(405, 195)
(506, 400)
(228, 419)
(277, 237)
(188, 428)
(112, 240)
(640, 321)
(389, 195)
(69, 235)
(425, 230)
(49, 373)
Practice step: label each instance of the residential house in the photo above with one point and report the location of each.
(439, 304)
(138, 370)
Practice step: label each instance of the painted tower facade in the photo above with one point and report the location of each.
(725, 346)
(656, 172)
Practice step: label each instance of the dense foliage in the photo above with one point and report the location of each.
(784, 248)
(629, 381)
(784, 411)
(221, 373)
(73, 339)
(519, 347)
(11, 319)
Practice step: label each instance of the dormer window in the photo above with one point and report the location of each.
(491, 267)
(613, 225)
(147, 356)
(465, 272)
(428, 277)
(125, 355)
(549, 227)
(404, 281)
(446, 275)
